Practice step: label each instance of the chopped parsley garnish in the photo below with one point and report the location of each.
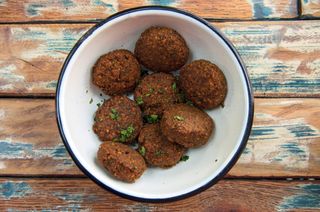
(99, 104)
(152, 118)
(188, 102)
(91, 100)
(126, 133)
(174, 86)
(178, 118)
(161, 90)
(114, 115)
(98, 119)
(142, 150)
(139, 100)
(151, 90)
(184, 158)
(159, 152)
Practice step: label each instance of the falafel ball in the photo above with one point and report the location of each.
(203, 83)
(186, 125)
(121, 161)
(118, 119)
(161, 49)
(157, 150)
(116, 72)
(155, 92)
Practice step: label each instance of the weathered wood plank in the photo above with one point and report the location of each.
(81, 10)
(284, 141)
(235, 195)
(310, 8)
(283, 58)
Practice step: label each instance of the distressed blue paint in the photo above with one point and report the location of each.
(260, 10)
(246, 151)
(68, 3)
(11, 189)
(261, 131)
(59, 152)
(294, 148)
(52, 85)
(265, 85)
(163, 2)
(279, 68)
(64, 44)
(306, 1)
(33, 9)
(28, 34)
(107, 5)
(308, 198)
(14, 150)
(302, 131)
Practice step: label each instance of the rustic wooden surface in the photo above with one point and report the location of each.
(228, 195)
(81, 10)
(282, 57)
(310, 8)
(284, 141)
(278, 171)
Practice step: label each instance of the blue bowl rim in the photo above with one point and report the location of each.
(249, 118)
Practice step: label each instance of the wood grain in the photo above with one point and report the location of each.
(284, 141)
(81, 10)
(235, 195)
(283, 58)
(310, 8)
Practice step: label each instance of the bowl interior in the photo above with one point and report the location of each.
(76, 113)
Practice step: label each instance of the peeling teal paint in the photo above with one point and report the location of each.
(68, 3)
(246, 151)
(59, 152)
(14, 150)
(52, 85)
(263, 84)
(17, 150)
(294, 148)
(74, 200)
(307, 198)
(302, 131)
(260, 10)
(65, 43)
(260, 131)
(107, 5)
(33, 9)
(163, 2)
(305, 1)
(11, 189)
(279, 68)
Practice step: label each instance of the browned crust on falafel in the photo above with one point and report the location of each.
(121, 161)
(186, 125)
(116, 72)
(156, 92)
(118, 119)
(161, 49)
(158, 151)
(203, 83)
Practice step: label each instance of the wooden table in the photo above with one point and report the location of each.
(280, 168)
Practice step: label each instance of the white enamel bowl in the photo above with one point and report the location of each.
(207, 164)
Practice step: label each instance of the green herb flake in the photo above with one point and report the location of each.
(174, 86)
(139, 100)
(161, 91)
(126, 133)
(159, 152)
(98, 105)
(142, 150)
(151, 119)
(178, 118)
(114, 115)
(184, 158)
(91, 100)
(188, 102)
